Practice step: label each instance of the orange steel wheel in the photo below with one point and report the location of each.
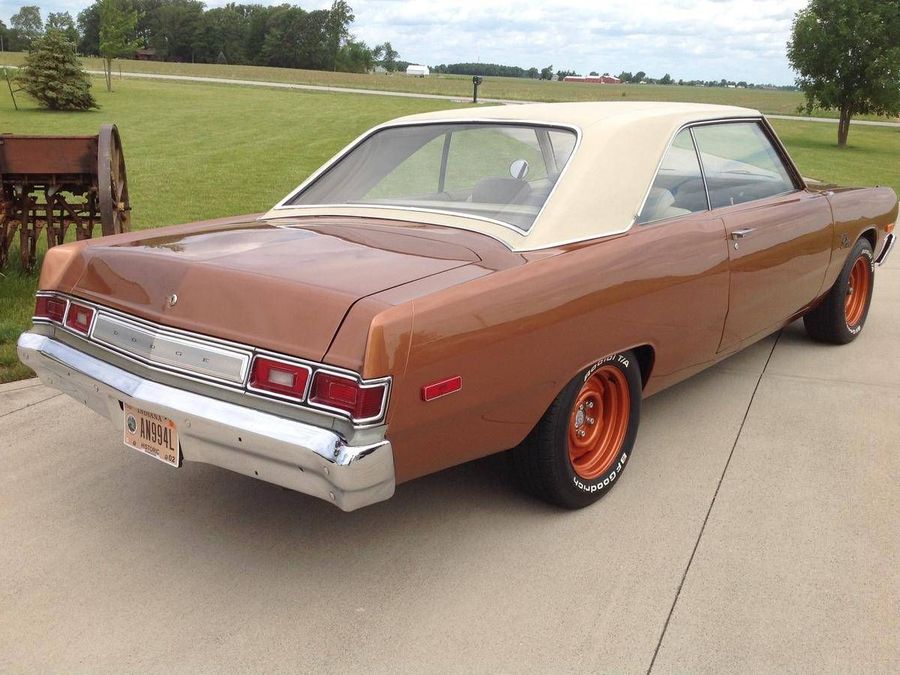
(857, 291)
(599, 422)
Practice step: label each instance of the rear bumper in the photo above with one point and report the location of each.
(293, 454)
(889, 242)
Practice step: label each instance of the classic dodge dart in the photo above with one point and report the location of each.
(457, 284)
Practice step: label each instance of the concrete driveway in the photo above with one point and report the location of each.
(756, 529)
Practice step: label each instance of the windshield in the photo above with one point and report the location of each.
(502, 172)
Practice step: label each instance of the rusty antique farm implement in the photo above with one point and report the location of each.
(54, 183)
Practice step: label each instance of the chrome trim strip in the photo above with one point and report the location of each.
(296, 455)
(158, 348)
(889, 242)
(411, 209)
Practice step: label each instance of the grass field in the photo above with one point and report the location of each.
(202, 151)
(769, 101)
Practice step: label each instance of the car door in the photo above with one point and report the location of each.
(779, 234)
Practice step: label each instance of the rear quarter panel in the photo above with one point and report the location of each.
(858, 212)
(517, 336)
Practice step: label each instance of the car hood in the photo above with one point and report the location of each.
(283, 285)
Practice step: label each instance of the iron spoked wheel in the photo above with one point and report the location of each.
(112, 182)
(598, 422)
(841, 314)
(859, 281)
(580, 446)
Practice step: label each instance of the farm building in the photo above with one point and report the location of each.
(593, 79)
(417, 71)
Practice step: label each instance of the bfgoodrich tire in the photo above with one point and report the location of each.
(580, 447)
(841, 315)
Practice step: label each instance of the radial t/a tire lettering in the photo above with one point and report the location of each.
(841, 314)
(581, 445)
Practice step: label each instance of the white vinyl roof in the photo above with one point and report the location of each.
(602, 188)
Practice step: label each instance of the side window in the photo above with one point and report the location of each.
(678, 186)
(740, 163)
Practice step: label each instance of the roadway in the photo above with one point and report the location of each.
(755, 530)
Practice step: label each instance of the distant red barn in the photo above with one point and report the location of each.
(593, 79)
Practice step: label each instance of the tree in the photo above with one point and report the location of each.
(563, 74)
(625, 76)
(547, 73)
(386, 56)
(354, 57)
(53, 76)
(847, 54)
(89, 29)
(533, 73)
(27, 24)
(665, 79)
(639, 77)
(337, 29)
(117, 24)
(63, 22)
(594, 73)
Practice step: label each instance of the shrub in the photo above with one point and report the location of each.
(53, 76)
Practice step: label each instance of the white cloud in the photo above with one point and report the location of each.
(707, 39)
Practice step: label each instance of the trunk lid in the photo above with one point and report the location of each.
(277, 285)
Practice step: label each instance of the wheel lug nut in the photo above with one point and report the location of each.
(590, 420)
(581, 433)
(590, 404)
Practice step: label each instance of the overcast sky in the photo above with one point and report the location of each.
(690, 39)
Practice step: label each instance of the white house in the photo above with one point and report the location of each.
(417, 71)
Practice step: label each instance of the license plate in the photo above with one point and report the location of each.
(152, 434)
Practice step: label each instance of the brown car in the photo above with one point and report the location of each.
(456, 284)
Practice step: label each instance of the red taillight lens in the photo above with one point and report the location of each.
(279, 377)
(49, 307)
(362, 402)
(79, 318)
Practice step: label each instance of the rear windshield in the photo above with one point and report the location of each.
(502, 172)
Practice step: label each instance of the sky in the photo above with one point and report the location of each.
(690, 39)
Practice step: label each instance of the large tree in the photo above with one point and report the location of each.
(27, 25)
(63, 22)
(53, 77)
(337, 29)
(847, 53)
(117, 22)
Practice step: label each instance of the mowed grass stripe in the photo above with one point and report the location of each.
(198, 151)
(773, 101)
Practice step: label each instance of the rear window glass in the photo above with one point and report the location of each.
(502, 172)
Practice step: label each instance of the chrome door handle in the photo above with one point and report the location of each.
(740, 234)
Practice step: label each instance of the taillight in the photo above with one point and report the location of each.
(362, 402)
(79, 318)
(280, 377)
(889, 227)
(50, 307)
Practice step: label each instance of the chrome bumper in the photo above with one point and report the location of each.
(293, 454)
(886, 249)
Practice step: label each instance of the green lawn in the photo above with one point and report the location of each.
(770, 101)
(202, 151)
